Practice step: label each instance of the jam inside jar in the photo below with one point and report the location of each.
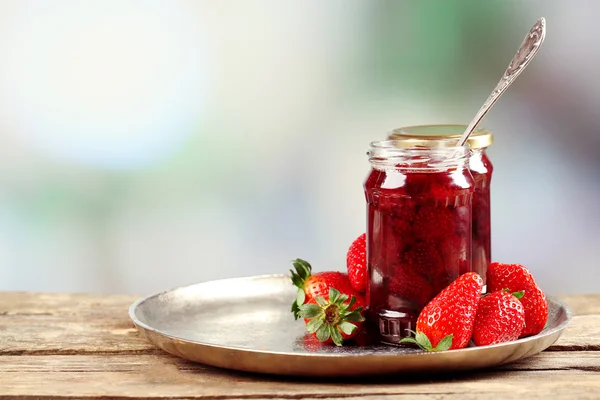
(481, 168)
(419, 230)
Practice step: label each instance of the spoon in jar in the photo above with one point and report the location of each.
(529, 48)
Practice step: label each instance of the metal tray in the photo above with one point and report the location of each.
(245, 324)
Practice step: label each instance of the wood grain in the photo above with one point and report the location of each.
(43, 334)
(30, 303)
(165, 376)
(100, 324)
(582, 305)
(42, 323)
(67, 346)
(582, 333)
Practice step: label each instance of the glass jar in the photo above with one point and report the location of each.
(419, 230)
(481, 168)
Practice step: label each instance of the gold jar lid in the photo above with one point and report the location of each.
(445, 135)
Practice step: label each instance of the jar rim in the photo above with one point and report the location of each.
(392, 153)
(441, 135)
(408, 145)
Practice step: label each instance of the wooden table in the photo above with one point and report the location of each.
(59, 346)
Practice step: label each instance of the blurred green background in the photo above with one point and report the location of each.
(150, 144)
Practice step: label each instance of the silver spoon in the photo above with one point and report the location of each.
(529, 48)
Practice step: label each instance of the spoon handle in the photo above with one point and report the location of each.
(529, 48)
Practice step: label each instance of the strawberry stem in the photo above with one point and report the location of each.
(518, 295)
(331, 317)
(301, 272)
(424, 343)
(332, 314)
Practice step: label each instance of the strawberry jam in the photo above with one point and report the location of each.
(481, 168)
(419, 230)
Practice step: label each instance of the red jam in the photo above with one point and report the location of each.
(481, 169)
(418, 234)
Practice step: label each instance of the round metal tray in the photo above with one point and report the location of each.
(245, 324)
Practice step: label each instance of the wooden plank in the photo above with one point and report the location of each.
(44, 334)
(29, 303)
(557, 360)
(582, 304)
(582, 333)
(42, 323)
(49, 325)
(86, 347)
(151, 376)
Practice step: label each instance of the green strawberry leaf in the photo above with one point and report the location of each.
(354, 316)
(409, 340)
(351, 303)
(334, 294)
(310, 310)
(301, 297)
(295, 310)
(423, 341)
(519, 295)
(321, 301)
(347, 327)
(314, 325)
(323, 333)
(342, 299)
(444, 344)
(420, 340)
(296, 280)
(302, 272)
(336, 336)
(304, 265)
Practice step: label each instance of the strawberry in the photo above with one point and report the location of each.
(312, 286)
(446, 322)
(400, 231)
(455, 248)
(434, 221)
(407, 284)
(424, 257)
(516, 278)
(500, 318)
(356, 263)
(333, 318)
